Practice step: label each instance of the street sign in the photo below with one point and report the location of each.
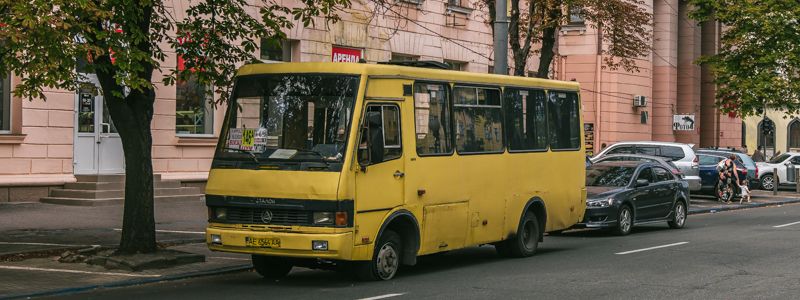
(683, 122)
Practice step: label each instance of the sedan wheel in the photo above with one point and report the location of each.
(678, 216)
(624, 221)
(767, 182)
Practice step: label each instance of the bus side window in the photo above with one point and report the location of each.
(563, 112)
(380, 135)
(432, 118)
(478, 115)
(526, 119)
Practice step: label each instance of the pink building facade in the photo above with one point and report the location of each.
(45, 144)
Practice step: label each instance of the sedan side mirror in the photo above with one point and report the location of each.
(642, 183)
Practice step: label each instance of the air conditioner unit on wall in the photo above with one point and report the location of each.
(639, 101)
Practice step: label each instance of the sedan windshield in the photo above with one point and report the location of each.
(609, 176)
(778, 159)
(286, 119)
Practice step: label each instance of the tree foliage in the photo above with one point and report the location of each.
(625, 26)
(758, 62)
(125, 42)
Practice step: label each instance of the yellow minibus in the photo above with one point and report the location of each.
(369, 166)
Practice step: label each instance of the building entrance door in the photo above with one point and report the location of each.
(98, 148)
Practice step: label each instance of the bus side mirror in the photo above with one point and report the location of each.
(363, 149)
(370, 149)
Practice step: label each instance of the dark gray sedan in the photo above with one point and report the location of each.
(621, 194)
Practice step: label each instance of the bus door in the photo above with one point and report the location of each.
(380, 181)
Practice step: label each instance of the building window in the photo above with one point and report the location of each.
(432, 115)
(404, 57)
(194, 107)
(478, 117)
(273, 49)
(564, 119)
(5, 104)
(526, 119)
(457, 65)
(576, 16)
(794, 135)
(460, 3)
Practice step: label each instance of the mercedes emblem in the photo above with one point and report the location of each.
(266, 217)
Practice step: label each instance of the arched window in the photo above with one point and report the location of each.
(794, 135)
(768, 139)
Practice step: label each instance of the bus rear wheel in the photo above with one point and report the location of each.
(525, 242)
(385, 259)
(271, 267)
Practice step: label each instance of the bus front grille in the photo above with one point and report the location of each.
(246, 215)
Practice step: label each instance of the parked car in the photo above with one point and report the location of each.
(666, 162)
(682, 155)
(622, 194)
(746, 160)
(781, 163)
(709, 175)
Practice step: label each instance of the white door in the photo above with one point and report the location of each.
(98, 148)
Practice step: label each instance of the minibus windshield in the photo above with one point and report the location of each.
(289, 118)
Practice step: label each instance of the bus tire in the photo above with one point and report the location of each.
(271, 267)
(525, 242)
(385, 259)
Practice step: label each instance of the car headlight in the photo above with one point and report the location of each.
(323, 217)
(600, 202)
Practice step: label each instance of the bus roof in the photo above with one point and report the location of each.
(381, 70)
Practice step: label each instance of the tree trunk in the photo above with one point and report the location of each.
(132, 117)
(548, 43)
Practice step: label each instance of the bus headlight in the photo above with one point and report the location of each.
(220, 213)
(323, 218)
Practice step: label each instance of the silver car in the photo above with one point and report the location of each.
(682, 155)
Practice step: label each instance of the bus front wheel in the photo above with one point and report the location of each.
(271, 267)
(525, 242)
(385, 259)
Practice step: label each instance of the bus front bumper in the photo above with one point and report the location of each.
(289, 244)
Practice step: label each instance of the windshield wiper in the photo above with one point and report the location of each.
(252, 155)
(322, 157)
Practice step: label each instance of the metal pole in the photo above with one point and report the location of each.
(797, 180)
(774, 181)
(501, 38)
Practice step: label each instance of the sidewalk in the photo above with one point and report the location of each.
(708, 204)
(33, 234)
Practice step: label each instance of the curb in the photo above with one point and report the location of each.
(717, 209)
(132, 282)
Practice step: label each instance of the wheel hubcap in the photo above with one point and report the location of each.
(387, 262)
(625, 220)
(680, 215)
(528, 236)
(768, 182)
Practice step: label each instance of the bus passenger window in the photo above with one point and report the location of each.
(526, 121)
(478, 116)
(432, 116)
(563, 112)
(380, 135)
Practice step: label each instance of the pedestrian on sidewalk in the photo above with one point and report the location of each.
(728, 179)
(745, 191)
(758, 156)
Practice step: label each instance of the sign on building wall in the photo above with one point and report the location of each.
(342, 54)
(588, 136)
(683, 122)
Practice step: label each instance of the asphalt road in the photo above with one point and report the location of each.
(730, 255)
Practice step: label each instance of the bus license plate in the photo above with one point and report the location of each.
(262, 242)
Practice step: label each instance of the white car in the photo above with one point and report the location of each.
(766, 170)
(682, 155)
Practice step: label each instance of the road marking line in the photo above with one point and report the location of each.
(784, 225)
(229, 258)
(383, 296)
(651, 248)
(172, 231)
(43, 244)
(76, 271)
